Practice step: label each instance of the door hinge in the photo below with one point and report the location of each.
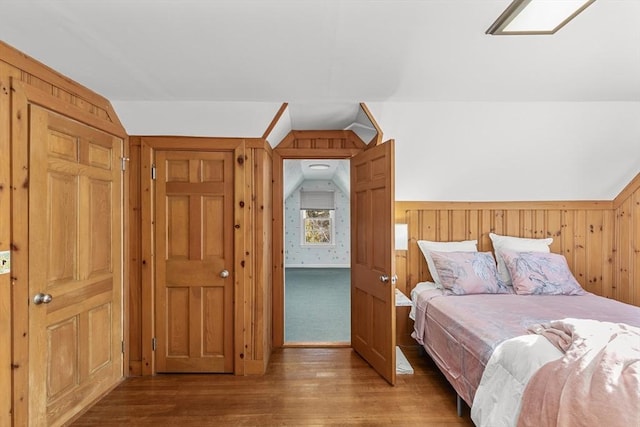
(122, 347)
(153, 171)
(123, 163)
(153, 343)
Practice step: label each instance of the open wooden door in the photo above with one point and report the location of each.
(373, 312)
(194, 261)
(75, 266)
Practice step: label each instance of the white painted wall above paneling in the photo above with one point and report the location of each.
(495, 151)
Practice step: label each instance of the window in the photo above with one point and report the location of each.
(317, 225)
(317, 213)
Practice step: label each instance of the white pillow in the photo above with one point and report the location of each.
(515, 244)
(426, 246)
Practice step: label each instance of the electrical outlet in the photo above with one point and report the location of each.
(5, 262)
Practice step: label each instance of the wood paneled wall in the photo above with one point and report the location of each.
(599, 241)
(45, 87)
(261, 283)
(627, 243)
(252, 332)
(135, 306)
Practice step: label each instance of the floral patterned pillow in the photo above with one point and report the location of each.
(464, 273)
(539, 273)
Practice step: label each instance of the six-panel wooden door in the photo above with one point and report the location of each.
(373, 314)
(75, 262)
(194, 261)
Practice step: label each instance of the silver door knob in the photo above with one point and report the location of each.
(224, 274)
(384, 278)
(42, 298)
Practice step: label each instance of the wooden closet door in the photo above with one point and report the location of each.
(194, 260)
(75, 277)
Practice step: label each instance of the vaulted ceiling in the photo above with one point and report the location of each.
(224, 67)
(326, 50)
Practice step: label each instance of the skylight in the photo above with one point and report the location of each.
(537, 16)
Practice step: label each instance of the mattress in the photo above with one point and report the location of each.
(461, 332)
(415, 292)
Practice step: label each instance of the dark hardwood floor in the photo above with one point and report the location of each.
(302, 387)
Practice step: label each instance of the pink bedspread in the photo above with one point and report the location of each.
(596, 383)
(461, 332)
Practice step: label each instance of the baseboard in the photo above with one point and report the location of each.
(255, 367)
(317, 266)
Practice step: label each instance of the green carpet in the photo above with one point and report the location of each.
(317, 305)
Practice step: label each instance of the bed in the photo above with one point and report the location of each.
(483, 344)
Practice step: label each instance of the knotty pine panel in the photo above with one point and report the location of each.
(262, 212)
(627, 244)
(584, 233)
(135, 259)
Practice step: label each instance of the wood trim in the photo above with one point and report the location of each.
(258, 143)
(329, 153)
(147, 259)
(327, 140)
(27, 64)
(275, 120)
(5, 245)
(322, 344)
(190, 143)
(287, 141)
(38, 97)
(321, 134)
(125, 256)
(262, 207)
(113, 116)
(134, 343)
(377, 140)
(279, 155)
(241, 234)
(20, 254)
(277, 245)
(627, 191)
(568, 205)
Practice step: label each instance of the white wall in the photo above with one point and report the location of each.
(196, 118)
(505, 151)
(296, 255)
(457, 151)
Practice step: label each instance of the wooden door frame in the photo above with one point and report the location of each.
(279, 156)
(148, 146)
(22, 96)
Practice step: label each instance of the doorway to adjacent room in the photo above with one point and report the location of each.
(317, 274)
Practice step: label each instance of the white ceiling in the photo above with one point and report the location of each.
(224, 67)
(295, 172)
(326, 50)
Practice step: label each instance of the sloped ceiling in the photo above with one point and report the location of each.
(426, 67)
(295, 172)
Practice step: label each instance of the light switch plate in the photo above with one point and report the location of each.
(5, 262)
